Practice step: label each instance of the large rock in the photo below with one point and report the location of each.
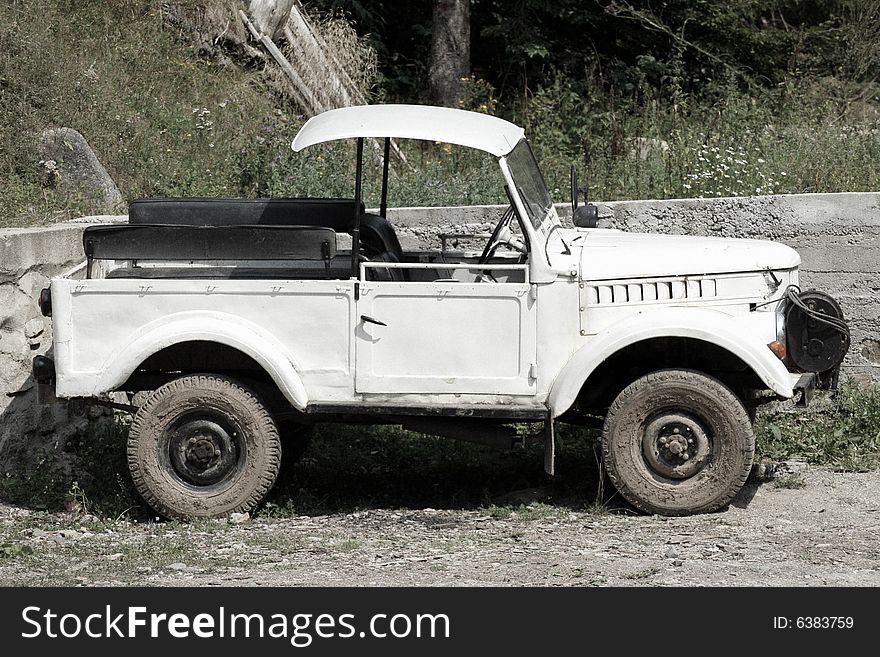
(72, 165)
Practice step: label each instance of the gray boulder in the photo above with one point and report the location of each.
(71, 165)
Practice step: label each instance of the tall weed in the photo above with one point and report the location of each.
(841, 429)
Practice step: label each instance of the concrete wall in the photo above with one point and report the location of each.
(29, 431)
(837, 235)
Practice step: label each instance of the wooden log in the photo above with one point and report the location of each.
(301, 92)
(270, 16)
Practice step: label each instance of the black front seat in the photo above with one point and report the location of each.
(378, 237)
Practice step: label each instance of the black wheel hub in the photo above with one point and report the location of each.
(675, 445)
(202, 451)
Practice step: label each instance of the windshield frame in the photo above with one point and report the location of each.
(525, 174)
(542, 228)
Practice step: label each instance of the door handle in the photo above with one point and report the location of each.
(369, 320)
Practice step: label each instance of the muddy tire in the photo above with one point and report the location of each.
(677, 442)
(203, 446)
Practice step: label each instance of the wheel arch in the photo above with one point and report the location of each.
(684, 325)
(232, 332)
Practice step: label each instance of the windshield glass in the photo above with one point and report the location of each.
(529, 182)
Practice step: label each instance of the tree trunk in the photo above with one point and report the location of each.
(450, 50)
(270, 16)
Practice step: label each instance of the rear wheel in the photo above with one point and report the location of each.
(677, 442)
(203, 446)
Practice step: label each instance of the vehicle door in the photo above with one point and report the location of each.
(471, 334)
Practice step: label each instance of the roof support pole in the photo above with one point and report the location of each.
(383, 208)
(358, 197)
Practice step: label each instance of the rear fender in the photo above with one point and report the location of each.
(223, 328)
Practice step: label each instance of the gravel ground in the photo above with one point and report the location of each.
(817, 528)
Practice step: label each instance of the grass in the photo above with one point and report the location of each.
(93, 482)
(161, 119)
(352, 467)
(59, 549)
(166, 121)
(805, 136)
(840, 430)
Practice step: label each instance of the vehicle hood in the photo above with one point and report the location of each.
(611, 254)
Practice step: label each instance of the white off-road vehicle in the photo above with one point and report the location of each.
(239, 320)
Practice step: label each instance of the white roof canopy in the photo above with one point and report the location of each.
(443, 124)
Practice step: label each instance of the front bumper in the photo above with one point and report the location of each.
(804, 388)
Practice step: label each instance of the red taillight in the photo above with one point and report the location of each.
(46, 302)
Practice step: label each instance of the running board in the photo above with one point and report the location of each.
(496, 412)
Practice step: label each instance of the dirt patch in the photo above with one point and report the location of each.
(821, 531)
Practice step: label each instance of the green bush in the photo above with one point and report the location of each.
(93, 479)
(840, 430)
(805, 136)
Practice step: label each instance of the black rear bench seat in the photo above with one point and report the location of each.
(377, 233)
(335, 213)
(191, 243)
(294, 272)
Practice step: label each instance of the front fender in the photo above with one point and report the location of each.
(732, 333)
(223, 328)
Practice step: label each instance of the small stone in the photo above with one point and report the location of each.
(677, 562)
(34, 328)
(177, 566)
(239, 518)
(115, 556)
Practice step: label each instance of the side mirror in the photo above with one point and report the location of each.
(586, 216)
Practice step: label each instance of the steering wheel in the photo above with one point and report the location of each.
(501, 235)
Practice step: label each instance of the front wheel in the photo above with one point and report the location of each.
(677, 442)
(203, 446)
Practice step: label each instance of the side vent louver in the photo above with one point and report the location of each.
(614, 293)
